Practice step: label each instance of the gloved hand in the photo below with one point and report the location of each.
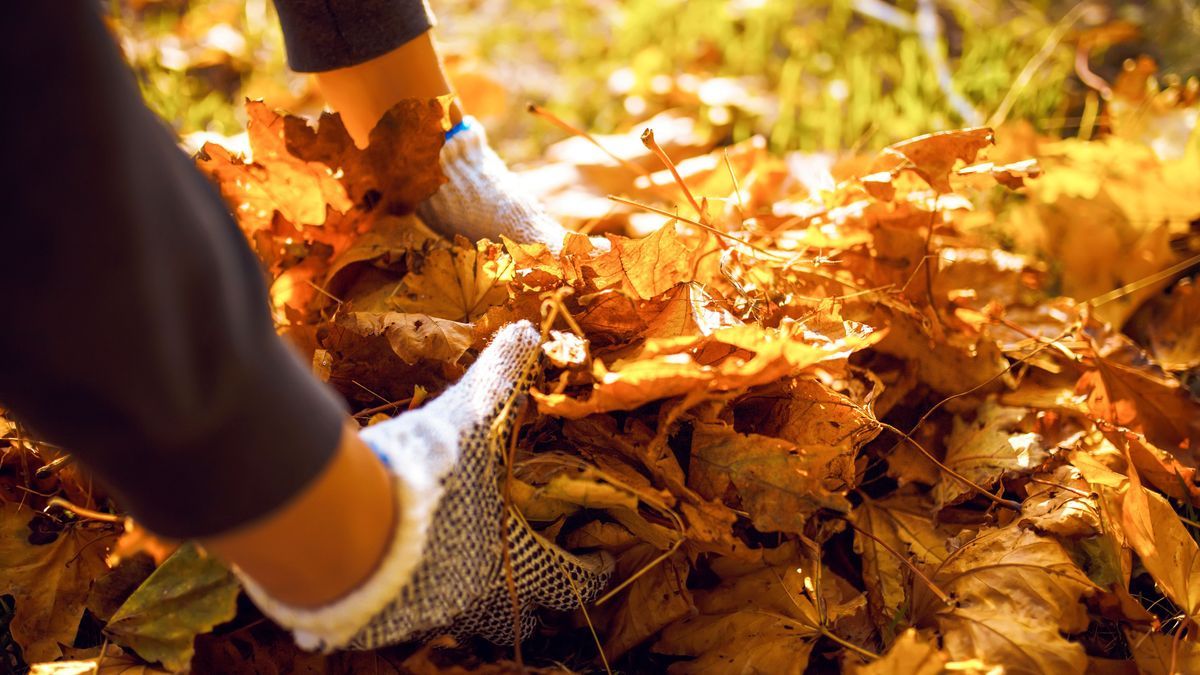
(481, 198)
(444, 570)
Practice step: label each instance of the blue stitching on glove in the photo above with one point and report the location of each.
(458, 128)
(387, 462)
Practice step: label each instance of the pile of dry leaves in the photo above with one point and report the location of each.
(820, 426)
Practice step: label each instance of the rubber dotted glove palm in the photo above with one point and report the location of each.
(445, 570)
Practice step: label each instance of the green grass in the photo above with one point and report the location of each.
(813, 76)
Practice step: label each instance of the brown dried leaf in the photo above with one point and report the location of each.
(904, 523)
(1155, 653)
(1061, 504)
(113, 661)
(656, 599)
(459, 282)
(910, 654)
(986, 449)
(1173, 338)
(1015, 594)
(779, 484)
(665, 368)
(1142, 400)
(48, 572)
(301, 191)
(933, 156)
(400, 166)
(414, 337)
(762, 622)
(1011, 176)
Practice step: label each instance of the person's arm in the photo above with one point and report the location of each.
(138, 334)
(367, 55)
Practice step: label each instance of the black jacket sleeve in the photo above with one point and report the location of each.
(325, 35)
(136, 330)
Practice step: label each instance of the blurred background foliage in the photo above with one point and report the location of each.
(813, 76)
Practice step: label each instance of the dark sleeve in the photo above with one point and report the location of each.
(136, 329)
(325, 35)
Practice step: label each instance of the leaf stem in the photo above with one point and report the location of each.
(1005, 503)
(653, 146)
(576, 131)
(941, 595)
(698, 224)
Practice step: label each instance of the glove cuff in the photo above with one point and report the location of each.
(334, 625)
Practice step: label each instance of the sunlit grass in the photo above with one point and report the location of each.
(812, 76)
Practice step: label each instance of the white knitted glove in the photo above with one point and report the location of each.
(445, 569)
(482, 198)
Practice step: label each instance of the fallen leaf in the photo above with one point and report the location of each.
(1061, 504)
(986, 449)
(903, 523)
(1171, 331)
(665, 368)
(187, 595)
(48, 571)
(400, 166)
(112, 661)
(758, 623)
(933, 156)
(413, 337)
(910, 654)
(459, 282)
(1143, 401)
(274, 179)
(1155, 653)
(1015, 594)
(778, 483)
(657, 598)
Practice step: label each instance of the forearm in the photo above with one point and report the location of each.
(326, 540)
(144, 344)
(323, 35)
(362, 93)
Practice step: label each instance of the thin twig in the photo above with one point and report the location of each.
(1149, 280)
(1005, 503)
(941, 595)
(576, 131)
(653, 146)
(737, 190)
(700, 225)
(586, 617)
(380, 408)
(82, 512)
